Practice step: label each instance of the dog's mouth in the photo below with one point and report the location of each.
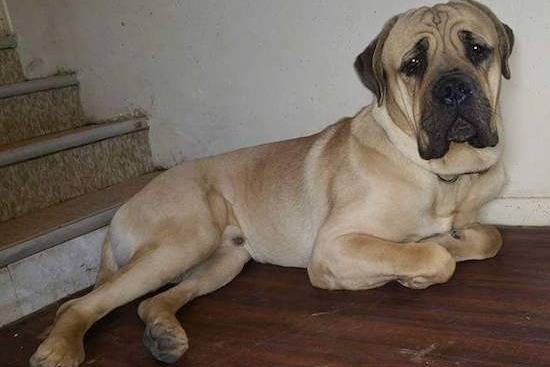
(437, 143)
(461, 131)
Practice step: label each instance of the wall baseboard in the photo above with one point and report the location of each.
(518, 211)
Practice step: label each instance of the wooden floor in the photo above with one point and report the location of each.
(492, 313)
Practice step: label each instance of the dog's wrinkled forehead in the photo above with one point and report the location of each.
(440, 25)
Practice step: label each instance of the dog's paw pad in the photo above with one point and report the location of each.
(166, 341)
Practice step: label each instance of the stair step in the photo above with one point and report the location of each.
(37, 85)
(40, 113)
(11, 70)
(45, 228)
(52, 143)
(54, 178)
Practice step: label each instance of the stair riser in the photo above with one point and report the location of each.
(39, 280)
(51, 179)
(10, 67)
(31, 115)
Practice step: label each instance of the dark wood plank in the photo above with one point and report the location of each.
(492, 313)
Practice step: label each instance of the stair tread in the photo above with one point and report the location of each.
(24, 228)
(11, 153)
(37, 85)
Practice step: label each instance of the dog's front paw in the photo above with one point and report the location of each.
(58, 352)
(435, 265)
(166, 340)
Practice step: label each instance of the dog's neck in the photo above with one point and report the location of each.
(451, 179)
(449, 168)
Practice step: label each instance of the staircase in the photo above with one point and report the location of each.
(61, 180)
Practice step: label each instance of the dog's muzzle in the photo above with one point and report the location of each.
(453, 92)
(459, 113)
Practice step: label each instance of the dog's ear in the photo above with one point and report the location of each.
(506, 50)
(369, 63)
(506, 37)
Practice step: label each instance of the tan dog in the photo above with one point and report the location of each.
(390, 194)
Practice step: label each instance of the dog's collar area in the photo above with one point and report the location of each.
(451, 179)
(448, 178)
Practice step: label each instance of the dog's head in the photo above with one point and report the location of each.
(437, 72)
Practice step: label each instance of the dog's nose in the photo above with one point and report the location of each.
(453, 90)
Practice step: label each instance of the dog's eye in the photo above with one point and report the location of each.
(416, 64)
(475, 51)
(412, 66)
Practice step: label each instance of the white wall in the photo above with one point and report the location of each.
(216, 75)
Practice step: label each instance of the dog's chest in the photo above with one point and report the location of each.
(408, 214)
(441, 207)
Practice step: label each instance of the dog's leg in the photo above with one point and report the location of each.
(164, 336)
(107, 266)
(150, 269)
(359, 261)
(474, 242)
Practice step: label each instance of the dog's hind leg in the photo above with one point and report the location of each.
(149, 269)
(164, 336)
(107, 266)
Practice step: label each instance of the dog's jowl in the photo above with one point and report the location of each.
(391, 194)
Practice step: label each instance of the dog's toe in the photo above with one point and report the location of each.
(55, 352)
(166, 340)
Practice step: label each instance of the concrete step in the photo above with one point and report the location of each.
(46, 180)
(39, 107)
(53, 252)
(11, 70)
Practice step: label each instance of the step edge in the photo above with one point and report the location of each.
(56, 142)
(38, 85)
(8, 41)
(56, 236)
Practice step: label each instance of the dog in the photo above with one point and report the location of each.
(391, 194)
